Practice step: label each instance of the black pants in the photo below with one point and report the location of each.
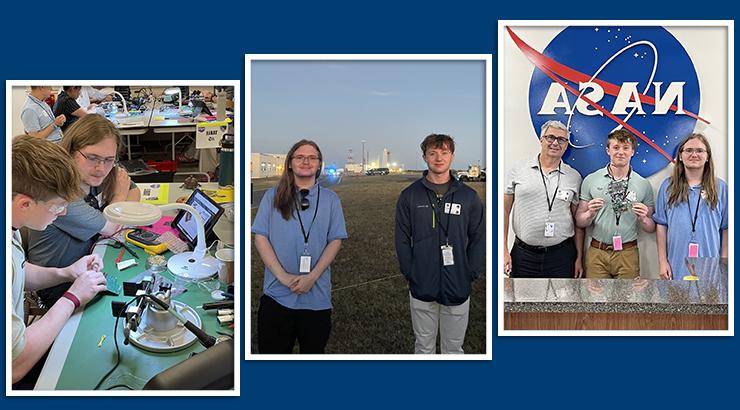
(278, 327)
(555, 263)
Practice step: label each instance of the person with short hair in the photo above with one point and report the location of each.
(44, 181)
(691, 210)
(93, 143)
(66, 105)
(299, 228)
(439, 238)
(616, 200)
(38, 118)
(542, 193)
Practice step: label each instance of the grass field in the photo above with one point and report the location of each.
(374, 317)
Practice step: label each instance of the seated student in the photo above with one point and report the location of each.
(67, 105)
(44, 180)
(38, 118)
(691, 210)
(93, 144)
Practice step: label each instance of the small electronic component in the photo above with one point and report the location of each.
(126, 264)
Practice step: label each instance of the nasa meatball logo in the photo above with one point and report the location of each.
(597, 79)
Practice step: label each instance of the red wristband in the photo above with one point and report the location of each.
(73, 298)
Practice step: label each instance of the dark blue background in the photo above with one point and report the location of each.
(146, 40)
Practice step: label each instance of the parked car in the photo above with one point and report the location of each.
(377, 171)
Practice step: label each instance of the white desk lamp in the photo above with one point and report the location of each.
(173, 91)
(194, 265)
(123, 100)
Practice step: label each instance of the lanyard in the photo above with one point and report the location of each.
(550, 202)
(44, 106)
(315, 211)
(626, 189)
(445, 229)
(696, 214)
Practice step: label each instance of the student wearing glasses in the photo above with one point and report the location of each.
(691, 210)
(44, 181)
(542, 193)
(298, 229)
(93, 143)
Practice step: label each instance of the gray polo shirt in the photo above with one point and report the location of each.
(605, 224)
(530, 210)
(68, 238)
(37, 115)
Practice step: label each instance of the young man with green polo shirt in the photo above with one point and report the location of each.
(616, 200)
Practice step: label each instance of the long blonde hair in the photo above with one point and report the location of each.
(90, 130)
(678, 188)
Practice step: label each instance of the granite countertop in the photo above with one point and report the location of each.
(706, 296)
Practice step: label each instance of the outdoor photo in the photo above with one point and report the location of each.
(368, 221)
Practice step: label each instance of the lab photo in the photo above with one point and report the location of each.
(368, 202)
(615, 208)
(124, 203)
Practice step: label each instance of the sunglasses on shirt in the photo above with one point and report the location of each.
(304, 199)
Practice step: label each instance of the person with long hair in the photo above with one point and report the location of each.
(93, 143)
(691, 210)
(298, 229)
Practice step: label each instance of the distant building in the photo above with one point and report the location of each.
(353, 168)
(386, 161)
(267, 165)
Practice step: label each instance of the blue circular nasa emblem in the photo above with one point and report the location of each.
(595, 79)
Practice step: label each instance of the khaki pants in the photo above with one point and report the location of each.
(429, 317)
(605, 264)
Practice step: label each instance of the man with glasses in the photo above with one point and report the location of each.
(691, 211)
(439, 243)
(616, 200)
(38, 118)
(543, 194)
(44, 181)
(299, 228)
(93, 143)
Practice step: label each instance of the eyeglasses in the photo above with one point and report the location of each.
(551, 138)
(691, 151)
(304, 199)
(94, 160)
(55, 209)
(309, 158)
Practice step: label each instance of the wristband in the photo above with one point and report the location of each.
(73, 298)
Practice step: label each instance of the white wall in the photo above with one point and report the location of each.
(707, 47)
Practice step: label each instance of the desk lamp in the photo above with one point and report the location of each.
(123, 100)
(173, 91)
(190, 265)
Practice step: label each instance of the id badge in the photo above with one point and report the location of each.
(447, 258)
(617, 242)
(305, 264)
(693, 250)
(549, 229)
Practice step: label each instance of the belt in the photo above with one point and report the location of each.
(541, 249)
(609, 247)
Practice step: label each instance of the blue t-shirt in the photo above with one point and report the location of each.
(709, 225)
(286, 239)
(37, 115)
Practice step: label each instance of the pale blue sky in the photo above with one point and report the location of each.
(389, 104)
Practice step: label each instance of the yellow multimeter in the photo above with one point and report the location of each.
(145, 240)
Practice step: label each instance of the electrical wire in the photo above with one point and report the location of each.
(115, 341)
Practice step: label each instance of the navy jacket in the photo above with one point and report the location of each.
(420, 235)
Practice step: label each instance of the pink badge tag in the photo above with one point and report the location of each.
(617, 242)
(693, 250)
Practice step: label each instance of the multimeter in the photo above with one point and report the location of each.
(146, 240)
